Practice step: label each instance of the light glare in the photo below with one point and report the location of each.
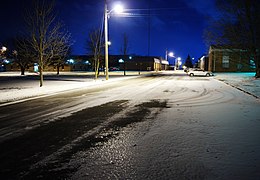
(3, 49)
(171, 54)
(118, 8)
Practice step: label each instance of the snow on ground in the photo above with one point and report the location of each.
(15, 87)
(207, 129)
(243, 81)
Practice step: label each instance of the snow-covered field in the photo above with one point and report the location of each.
(14, 87)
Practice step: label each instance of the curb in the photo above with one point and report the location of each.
(239, 88)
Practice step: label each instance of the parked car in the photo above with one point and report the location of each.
(199, 72)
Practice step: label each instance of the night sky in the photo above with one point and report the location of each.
(176, 25)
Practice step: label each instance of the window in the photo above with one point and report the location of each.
(225, 61)
(252, 64)
(239, 67)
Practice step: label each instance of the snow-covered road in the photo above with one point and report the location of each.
(208, 130)
(162, 126)
(15, 87)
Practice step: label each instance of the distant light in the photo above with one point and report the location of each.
(109, 43)
(121, 61)
(179, 58)
(87, 62)
(171, 54)
(70, 61)
(15, 52)
(6, 61)
(35, 67)
(130, 57)
(118, 8)
(4, 48)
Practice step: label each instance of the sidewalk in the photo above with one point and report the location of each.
(245, 82)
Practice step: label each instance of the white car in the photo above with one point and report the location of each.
(199, 72)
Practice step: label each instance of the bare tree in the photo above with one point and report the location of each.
(23, 53)
(58, 60)
(46, 36)
(238, 27)
(60, 48)
(95, 46)
(125, 49)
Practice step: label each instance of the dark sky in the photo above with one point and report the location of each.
(176, 25)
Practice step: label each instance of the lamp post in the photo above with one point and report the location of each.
(118, 9)
(177, 62)
(166, 55)
(170, 54)
(106, 39)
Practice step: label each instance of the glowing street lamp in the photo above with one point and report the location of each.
(3, 49)
(170, 54)
(177, 62)
(117, 9)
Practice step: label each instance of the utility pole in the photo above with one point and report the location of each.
(106, 39)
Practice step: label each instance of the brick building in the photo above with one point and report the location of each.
(222, 59)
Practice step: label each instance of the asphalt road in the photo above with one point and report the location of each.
(162, 126)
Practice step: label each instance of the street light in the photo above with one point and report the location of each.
(170, 54)
(3, 49)
(177, 62)
(118, 9)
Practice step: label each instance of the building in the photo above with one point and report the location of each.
(138, 63)
(85, 63)
(224, 59)
(203, 63)
(33, 67)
